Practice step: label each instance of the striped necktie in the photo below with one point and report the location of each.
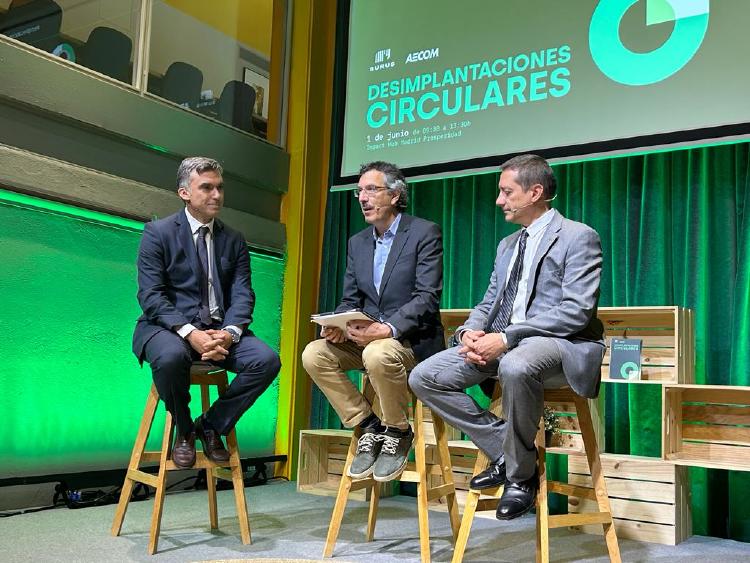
(502, 319)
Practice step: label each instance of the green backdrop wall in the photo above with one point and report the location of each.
(72, 391)
(675, 230)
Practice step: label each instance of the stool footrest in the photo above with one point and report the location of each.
(143, 477)
(223, 473)
(201, 462)
(494, 492)
(362, 484)
(409, 477)
(564, 520)
(487, 504)
(441, 491)
(570, 490)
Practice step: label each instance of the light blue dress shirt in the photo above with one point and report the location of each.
(382, 250)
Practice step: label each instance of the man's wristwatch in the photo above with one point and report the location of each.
(234, 333)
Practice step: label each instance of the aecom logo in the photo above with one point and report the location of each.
(639, 69)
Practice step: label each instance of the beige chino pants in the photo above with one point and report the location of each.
(387, 363)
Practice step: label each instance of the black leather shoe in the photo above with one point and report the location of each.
(183, 451)
(213, 447)
(517, 499)
(493, 476)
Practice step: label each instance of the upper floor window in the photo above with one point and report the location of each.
(213, 58)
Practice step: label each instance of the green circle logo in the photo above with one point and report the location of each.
(629, 370)
(639, 69)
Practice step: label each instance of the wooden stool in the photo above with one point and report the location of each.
(415, 472)
(545, 521)
(202, 374)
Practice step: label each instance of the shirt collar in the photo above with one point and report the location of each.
(393, 229)
(195, 224)
(540, 223)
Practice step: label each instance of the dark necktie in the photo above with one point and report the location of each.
(502, 319)
(200, 243)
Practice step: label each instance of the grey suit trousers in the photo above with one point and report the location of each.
(524, 372)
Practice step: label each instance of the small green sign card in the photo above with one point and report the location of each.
(625, 359)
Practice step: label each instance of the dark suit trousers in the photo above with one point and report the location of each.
(170, 357)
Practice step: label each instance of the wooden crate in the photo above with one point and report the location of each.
(322, 454)
(668, 334)
(650, 497)
(707, 426)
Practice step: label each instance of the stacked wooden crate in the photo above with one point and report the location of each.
(707, 426)
(650, 498)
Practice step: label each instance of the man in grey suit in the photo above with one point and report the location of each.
(394, 273)
(536, 327)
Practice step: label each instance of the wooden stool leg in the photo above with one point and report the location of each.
(238, 481)
(542, 506)
(446, 468)
(161, 485)
(597, 475)
(468, 519)
(372, 514)
(342, 496)
(422, 494)
(472, 500)
(135, 459)
(213, 512)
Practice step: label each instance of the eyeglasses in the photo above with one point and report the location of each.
(369, 191)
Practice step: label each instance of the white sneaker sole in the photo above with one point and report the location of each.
(392, 476)
(359, 475)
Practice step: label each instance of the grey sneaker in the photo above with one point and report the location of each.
(368, 448)
(393, 456)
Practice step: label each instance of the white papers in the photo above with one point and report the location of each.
(340, 319)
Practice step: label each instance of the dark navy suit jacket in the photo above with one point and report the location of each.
(168, 288)
(412, 283)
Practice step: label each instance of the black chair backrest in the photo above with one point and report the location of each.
(236, 104)
(36, 23)
(182, 84)
(108, 51)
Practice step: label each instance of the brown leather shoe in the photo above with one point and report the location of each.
(183, 452)
(213, 447)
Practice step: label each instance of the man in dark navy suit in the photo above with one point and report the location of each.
(197, 301)
(394, 272)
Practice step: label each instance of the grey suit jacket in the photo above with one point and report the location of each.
(412, 283)
(562, 297)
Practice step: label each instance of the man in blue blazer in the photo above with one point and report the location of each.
(394, 273)
(197, 301)
(536, 327)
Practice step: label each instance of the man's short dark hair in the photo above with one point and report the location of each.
(199, 164)
(532, 169)
(394, 180)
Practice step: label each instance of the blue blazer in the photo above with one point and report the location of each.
(412, 283)
(168, 288)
